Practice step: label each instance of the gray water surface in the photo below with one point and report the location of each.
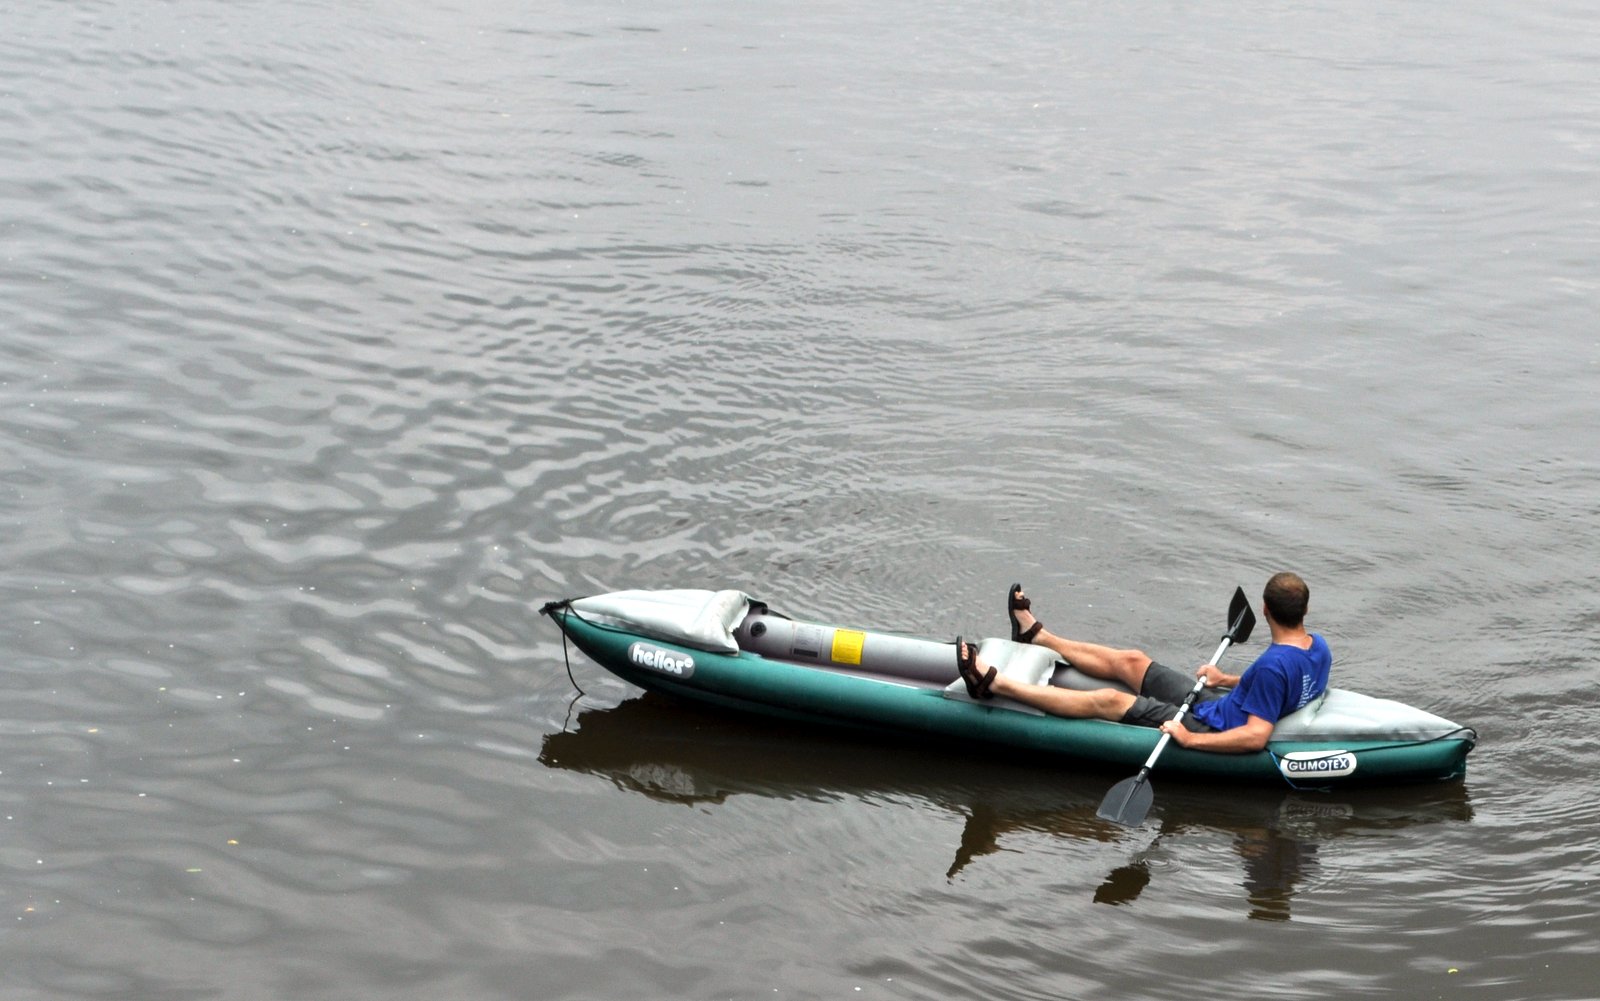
(335, 339)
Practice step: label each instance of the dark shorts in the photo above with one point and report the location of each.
(1163, 692)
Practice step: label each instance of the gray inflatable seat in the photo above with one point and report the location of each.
(1340, 714)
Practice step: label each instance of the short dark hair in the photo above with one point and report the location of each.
(1287, 596)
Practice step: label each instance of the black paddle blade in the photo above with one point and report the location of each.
(1241, 620)
(1128, 801)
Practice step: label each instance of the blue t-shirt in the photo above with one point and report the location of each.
(1281, 680)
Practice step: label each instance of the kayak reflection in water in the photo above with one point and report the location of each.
(1236, 713)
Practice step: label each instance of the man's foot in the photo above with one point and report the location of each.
(967, 665)
(1024, 627)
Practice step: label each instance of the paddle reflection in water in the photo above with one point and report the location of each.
(1275, 863)
(681, 753)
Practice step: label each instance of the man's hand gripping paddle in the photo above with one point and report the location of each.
(1129, 800)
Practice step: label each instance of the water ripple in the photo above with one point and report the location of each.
(337, 341)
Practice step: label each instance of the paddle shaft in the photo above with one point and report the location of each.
(1129, 800)
(1183, 710)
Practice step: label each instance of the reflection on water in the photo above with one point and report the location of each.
(680, 753)
(1274, 864)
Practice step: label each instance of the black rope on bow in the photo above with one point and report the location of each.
(568, 660)
(549, 608)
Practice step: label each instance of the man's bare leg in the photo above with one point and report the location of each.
(1093, 659)
(1102, 703)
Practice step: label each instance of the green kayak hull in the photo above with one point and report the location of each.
(750, 683)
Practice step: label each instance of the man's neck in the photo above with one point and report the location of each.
(1296, 636)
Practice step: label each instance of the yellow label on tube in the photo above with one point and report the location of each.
(847, 645)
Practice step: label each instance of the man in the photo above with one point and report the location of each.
(1290, 673)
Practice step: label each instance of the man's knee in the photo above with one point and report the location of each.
(1111, 704)
(1133, 662)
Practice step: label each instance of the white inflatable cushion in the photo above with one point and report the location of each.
(700, 619)
(1340, 714)
(1031, 664)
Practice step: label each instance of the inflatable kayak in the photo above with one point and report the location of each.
(724, 649)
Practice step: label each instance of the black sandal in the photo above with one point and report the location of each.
(1016, 601)
(977, 687)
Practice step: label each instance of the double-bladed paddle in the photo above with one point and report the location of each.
(1129, 800)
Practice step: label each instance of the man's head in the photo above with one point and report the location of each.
(1286, 597)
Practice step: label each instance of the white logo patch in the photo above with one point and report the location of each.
(661, 660)
(1317, 764)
